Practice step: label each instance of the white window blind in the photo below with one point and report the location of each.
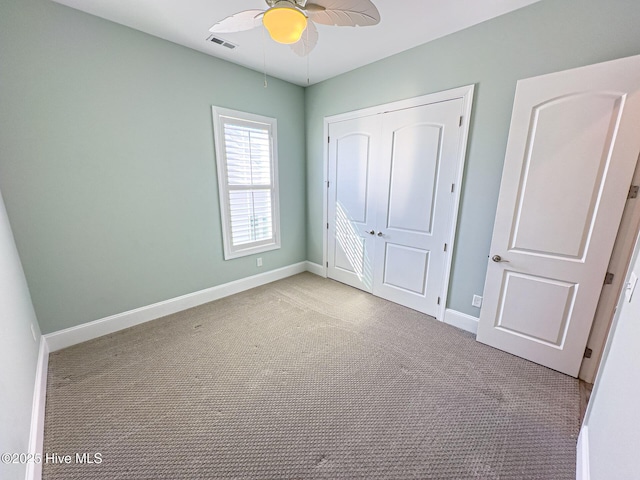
(247, 173)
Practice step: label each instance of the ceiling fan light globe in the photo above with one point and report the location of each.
(285, 24)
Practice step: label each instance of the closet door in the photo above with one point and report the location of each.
(417, 168)
(353, 146)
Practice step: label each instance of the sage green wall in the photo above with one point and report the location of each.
(548, 36)
(107, 162)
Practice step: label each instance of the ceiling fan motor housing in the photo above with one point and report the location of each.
(296, 3)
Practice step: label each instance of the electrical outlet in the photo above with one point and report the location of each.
(259, 262)
(477, 301)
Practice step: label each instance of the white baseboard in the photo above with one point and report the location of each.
(461, 320)
(316, 269)
(36, 436)
(88, 331)
(582, 455)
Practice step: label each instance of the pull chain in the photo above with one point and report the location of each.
(264, 54)
(307, 49)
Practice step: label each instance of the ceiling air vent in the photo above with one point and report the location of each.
(221, 41)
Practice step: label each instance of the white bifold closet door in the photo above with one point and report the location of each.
(391, 200)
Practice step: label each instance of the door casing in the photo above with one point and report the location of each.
(609, 295)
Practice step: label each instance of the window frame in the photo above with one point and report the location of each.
(245, 118)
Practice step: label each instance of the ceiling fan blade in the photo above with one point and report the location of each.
(239, 22)
(307, 42)
(343, 12)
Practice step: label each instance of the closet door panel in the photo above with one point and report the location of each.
(417, 164)
(404, 268)
(415, 155)
(353, 162)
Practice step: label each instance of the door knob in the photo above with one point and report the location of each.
(379, 234)
(372, 232)
(498, 259)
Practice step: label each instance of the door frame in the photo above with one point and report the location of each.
(619, 263)
(466, 94)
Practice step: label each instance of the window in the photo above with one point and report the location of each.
(246, 154)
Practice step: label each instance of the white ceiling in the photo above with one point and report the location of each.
(405, 24)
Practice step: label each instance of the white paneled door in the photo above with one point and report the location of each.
(572, 150)
(352, 215)
(391, 202)
(415, 198)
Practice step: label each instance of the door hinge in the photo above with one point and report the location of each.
(327, 264)
(453, 187)
(633, 191)
(328, 139)
(438, 300)
(588, 352)
(327, 184)
(327, 226)
(460, 124)
(608, 278)
(445, 247)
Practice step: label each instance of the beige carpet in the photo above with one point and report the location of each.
(303, 379)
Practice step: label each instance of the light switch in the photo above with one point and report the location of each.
(630, 287)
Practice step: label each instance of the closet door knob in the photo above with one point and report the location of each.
(498, 259)
(372, 232)
(380, 234)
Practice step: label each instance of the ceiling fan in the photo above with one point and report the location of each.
(293, 21)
